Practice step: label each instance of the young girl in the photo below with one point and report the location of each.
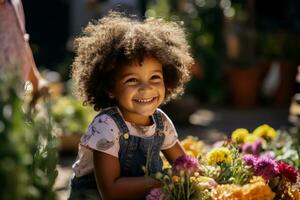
(127, 69)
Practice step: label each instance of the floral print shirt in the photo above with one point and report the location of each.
(103, 135)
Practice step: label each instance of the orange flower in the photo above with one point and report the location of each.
(192, 145)
(296, 194)
(175, 179)
(227, 192)
(258, 190)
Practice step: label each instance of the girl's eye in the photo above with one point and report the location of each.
(156, 77)
(131, 80)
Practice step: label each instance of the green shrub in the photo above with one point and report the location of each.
(70, 116)
(28, 148)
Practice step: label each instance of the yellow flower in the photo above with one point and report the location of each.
(193, 179)
(219, 155)
(192, 145)
(204, 182)
(187, 142)
(196, 174)
(190, 153)
(265, 132)
(239, 135)
(256, 179)
(251, 138)
(166, 164)
(204, 179)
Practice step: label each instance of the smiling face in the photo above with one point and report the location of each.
(139, 90)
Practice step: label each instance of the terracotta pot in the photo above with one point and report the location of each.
(244, 86)
(284, 93)
(286, 81)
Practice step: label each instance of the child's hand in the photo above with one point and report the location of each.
(164, 176)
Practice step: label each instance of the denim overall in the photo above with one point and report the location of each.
(135, 152)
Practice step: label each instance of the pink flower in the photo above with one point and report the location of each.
(250, 160)
(213, 183)
(186, 163)
(155, 194)
(288, 171)
(266, 167)
(252, 147)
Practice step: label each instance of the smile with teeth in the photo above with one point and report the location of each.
(146, 100)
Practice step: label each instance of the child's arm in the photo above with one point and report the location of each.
(174, 152)
(112, 186)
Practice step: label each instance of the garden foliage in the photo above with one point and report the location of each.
(28, 151)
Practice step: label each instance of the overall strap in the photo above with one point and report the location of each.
(113, 112)
(157, 116)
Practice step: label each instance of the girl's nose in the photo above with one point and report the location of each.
(145, 86)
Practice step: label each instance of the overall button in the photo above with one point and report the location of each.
(160, 133)
(126, 136)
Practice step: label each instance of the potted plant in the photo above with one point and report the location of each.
(242, 69)
(71, 120)
(281, 48)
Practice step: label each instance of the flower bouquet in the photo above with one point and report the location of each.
(234, 177)
(273, 156)
(183, 181)
(246, 167)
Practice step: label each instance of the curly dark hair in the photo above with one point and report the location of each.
(115, 41)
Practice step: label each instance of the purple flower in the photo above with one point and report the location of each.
(268, 154)
(252, 147)
(155, 194)
(266, 167)
(213, 183)
(250, 160)
(186, 163)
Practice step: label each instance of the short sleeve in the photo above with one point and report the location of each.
(102, 135)
(170, 132)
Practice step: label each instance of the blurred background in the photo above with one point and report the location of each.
(246, 53)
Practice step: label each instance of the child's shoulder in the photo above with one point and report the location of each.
(169, 128)
(103, 119)
(102, 134)
(103, 128)
(165, 117)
